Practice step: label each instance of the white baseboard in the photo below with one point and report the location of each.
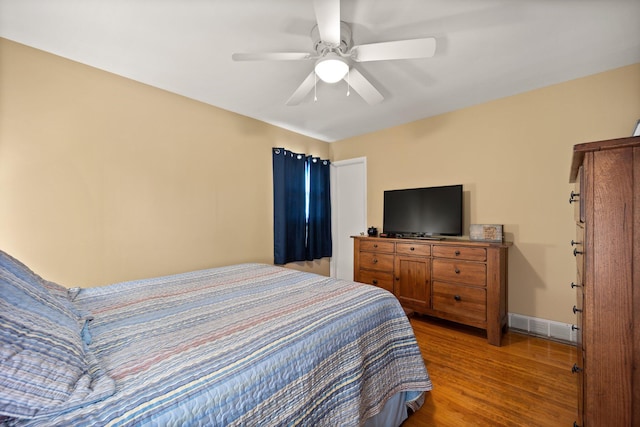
(543, 327)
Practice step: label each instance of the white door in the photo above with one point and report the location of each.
(348, 212)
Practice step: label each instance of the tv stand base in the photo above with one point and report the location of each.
(457, 280)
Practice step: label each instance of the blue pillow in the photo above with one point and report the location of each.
(22, 271)
(45, 366)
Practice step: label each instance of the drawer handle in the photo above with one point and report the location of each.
(573, 285)
(375, 281)
(574, 328)
(574, 197)
(575, 368)
(576, 252)
(576, 310)
(457, 271)
(412, 248)
(375, 260)
(375, 245)
(457, 298)
(457, 253)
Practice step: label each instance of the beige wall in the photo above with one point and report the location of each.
(103, 179)
(512, 156)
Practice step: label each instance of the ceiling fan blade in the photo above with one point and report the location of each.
(364, 88)
(401, 49)
(302, 90)
(273, 56)
(328, 17)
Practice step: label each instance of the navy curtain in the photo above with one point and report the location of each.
(289, 206)
(296, 235)
(319, 219)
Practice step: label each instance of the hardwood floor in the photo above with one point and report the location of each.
(526, 382)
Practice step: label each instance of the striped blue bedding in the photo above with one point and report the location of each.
(245, 345)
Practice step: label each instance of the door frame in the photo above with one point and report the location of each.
(335, 208)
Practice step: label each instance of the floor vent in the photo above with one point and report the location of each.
(542, 328)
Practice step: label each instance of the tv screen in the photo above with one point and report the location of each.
(423, 212)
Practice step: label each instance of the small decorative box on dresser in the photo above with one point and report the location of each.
(607, 250)
(457, 280)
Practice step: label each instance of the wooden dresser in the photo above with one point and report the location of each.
(457, 280)
(607, 250)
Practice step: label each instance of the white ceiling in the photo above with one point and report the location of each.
(486, 49)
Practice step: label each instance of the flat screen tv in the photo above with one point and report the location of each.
(423, 212)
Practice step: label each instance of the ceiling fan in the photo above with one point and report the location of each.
(335, 54)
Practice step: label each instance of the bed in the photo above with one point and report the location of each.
(243, 345)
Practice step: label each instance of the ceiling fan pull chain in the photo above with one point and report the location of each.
(315, 84)
(348, 82)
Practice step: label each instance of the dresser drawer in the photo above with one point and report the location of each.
(413, 249)
(470, 273)
(581, 385)
(376, 261)
(579, 312)
(463, 301)
(578, 247)
(460, 252)
(377, 246)
(578, 206)
(381, 279)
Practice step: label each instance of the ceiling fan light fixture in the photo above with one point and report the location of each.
(331, 68)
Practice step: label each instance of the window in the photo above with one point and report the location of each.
(301, 207)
